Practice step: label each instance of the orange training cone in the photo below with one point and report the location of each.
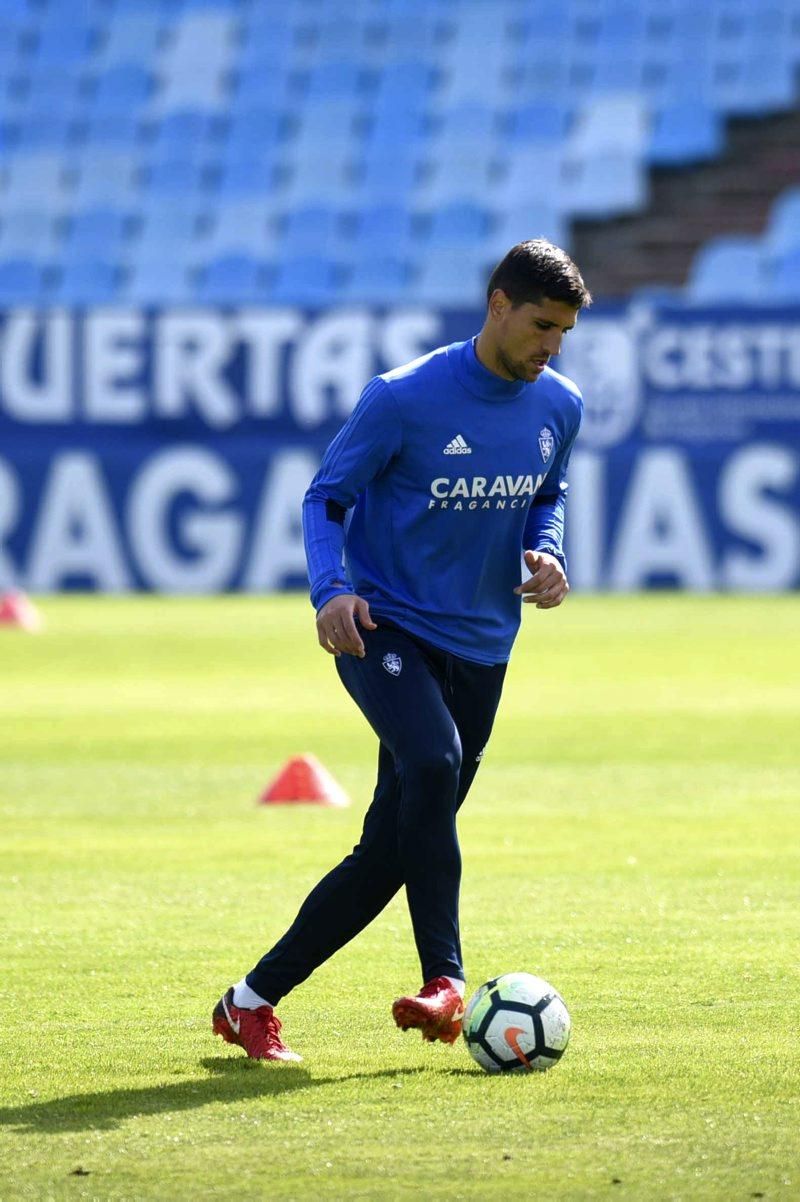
(17, 610)
(304, 778)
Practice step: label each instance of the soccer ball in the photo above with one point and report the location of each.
(516, 1023)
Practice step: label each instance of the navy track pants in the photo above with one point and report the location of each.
(433, 714)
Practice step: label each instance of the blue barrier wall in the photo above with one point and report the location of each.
(170, 450)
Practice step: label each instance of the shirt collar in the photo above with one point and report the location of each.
(478, 380)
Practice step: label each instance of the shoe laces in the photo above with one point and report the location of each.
(272, 1026)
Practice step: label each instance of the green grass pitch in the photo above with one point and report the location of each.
(631, 837)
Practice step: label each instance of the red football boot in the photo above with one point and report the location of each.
(257, 1031)
(437, 1011)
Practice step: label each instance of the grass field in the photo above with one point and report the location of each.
(632, 836)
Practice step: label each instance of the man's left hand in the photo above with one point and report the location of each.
(548, 584)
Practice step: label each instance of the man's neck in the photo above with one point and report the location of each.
(486, 353)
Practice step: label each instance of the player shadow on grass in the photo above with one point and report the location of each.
(230, 1079)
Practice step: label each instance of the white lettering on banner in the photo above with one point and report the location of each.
(214, 539)
(47, 395)
(193, 348)
(760, 519)
(586, 523)
(705, 357)
(661, 529)
(278, 550)
(405, 335)
(9, 514)
(75, 535)
(267, 332)
(114, 353)
(332, 361)
(57, 366)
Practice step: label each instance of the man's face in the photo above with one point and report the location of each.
(526, 336)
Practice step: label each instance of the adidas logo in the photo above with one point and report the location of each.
(457, 446)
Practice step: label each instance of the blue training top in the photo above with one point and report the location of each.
(450, 472)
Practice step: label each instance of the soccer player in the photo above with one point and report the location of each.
(452, 469)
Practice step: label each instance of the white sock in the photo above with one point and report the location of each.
(459, 985)
(246, 998)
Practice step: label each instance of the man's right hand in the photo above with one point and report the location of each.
(336, 625)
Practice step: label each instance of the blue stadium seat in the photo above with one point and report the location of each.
(623, 26)
(457, 224)
(21, 282)
(456, 173)
(478, 76)
(120, 130)
(95, 233)
(104, 177)
(449, 276)
(46, 90)
(394, 126)
(157, 282)
(43, 131)
(471, 123)
(276, 87)
(306, 280)
(246, 225)
(131, 38)
(546, 74)
(232, 280)
(783, 282)
(215, 5)
(251, 175)
(388, 176)
(685, 133)
(183, 133)
(618, 122)
(377, 281)
(338, 37)
(410, 35)
(334, 121)
(86, 281)
(622, 73)
(404, 84)
(533, 172)
(782, 236)
(384, 232)
(308, 228)
(253, 127)
(320, 176)
(755, 86)
(174, 178)
(270, 44)
(538, 122)
(167, 232)
(732, 268)
(29, 232)
(65, 42)
(519, 223)
(604, 186)
(122, 88)
(30, 178)
(334, 80)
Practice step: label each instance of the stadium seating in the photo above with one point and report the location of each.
(729, 269)
(242, 139)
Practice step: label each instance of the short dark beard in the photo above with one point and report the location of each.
(511, 367)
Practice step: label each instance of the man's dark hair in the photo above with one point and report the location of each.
(537, 269)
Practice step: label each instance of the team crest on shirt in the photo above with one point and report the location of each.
(392, 663)
(546, 442)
